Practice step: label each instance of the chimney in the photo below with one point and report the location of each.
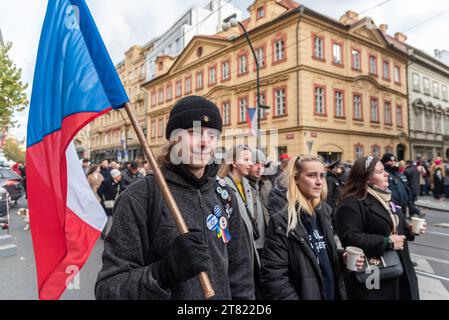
(400, 37)
(349, 17)
(383, 27)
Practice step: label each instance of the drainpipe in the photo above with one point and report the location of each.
(301, 13)
(412, 60)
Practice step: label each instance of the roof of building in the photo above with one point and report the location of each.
(412, 51)
(289, 4)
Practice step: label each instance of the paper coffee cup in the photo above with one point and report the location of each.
(354, 254)
(417, 224)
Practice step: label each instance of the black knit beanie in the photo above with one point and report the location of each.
(191, 109)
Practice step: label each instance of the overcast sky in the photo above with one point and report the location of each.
(125, 23)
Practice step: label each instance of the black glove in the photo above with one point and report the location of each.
(187, 257)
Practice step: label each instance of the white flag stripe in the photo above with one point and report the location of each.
(80, 197)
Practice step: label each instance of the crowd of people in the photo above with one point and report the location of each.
(109, 179)
(281, 236)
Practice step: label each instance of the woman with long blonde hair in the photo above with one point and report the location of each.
(300, 259)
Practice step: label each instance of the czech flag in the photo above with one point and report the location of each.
(75, 82)
(251, 119)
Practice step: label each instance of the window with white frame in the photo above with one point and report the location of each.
(153, 99)
(337, 53)
(169, 92)
(260, 12)
(426, 86)
(444, 94)
(319, 100)
(243, 105)
(436, 90)
(280, 107)
(213, 75)
(416, 82)
(160, 129)
(356, 63)
(429, 122)
(397, 74)
(373, 65)
(260, 54)
(387, 111)
(226, 114)
(161, 95)
(225, 71)
(375, 151)
(243, 64)
(374, 105)
(418, 120)
(188, 85)
(438, 127)
(318, 48)
(339, 104)
(359, 152)
(279, 50)
(153, 129)
(399, 116)
(178, 88)
(358, 107)
(199, 80)
(386, 70)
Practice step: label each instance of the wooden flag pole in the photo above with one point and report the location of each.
(176, 213)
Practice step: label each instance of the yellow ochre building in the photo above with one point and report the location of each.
(335, 86)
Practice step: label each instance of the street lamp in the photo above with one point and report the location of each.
(232, 21)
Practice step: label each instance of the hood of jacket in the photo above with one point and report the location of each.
(181, 176)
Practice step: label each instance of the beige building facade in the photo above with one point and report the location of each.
(335, 88)
(111, 136)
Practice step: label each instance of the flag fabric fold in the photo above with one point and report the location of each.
(75, 82)
(251, 120)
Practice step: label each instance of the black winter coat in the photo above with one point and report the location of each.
(106, 173)
(129, 178)
(107, 191)
(333, 190)
(277, 199)
(128, 256)
(365, 224)
(400, 192)
(413, 175)
(289, 266)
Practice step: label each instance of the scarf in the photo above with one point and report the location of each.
(384, 198)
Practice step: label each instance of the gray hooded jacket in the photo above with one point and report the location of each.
(128, 256)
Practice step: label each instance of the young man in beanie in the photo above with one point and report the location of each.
(145, 257)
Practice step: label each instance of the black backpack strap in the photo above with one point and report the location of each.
(154, 207)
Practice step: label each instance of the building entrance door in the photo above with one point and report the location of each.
(400, 152)
(330, 157)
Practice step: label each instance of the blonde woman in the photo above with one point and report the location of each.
(300, 260)
(237, 166)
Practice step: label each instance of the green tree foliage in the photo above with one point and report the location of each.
(12, 90)
(13, 152)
